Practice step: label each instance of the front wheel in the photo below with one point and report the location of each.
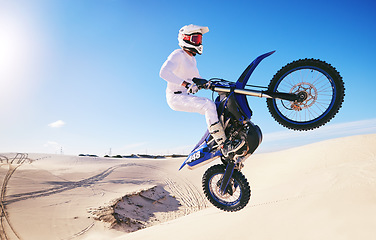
(318, 83)
(236, 195)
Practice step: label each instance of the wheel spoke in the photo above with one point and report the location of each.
(226, 198)
(319, 85)
(316, 86)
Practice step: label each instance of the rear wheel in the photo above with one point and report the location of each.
(237, 194)
(319, 85)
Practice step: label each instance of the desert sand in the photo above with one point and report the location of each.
(325, 190)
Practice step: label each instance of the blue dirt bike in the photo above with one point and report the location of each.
(303, 95)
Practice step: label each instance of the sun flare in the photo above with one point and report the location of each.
(21, 53)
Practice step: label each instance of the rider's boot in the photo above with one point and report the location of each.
(226, 146)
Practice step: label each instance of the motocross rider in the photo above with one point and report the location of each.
(178, 70)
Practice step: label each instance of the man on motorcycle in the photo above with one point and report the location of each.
(178, 70)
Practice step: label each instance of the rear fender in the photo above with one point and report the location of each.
(200, 156)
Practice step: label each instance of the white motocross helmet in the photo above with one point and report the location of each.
(190, 38)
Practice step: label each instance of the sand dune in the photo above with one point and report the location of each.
(325, 190)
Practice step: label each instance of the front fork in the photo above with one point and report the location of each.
(231, 165)
(236, 161)
(227, 176)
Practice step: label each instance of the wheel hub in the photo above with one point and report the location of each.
(302, 96)
(307, 95)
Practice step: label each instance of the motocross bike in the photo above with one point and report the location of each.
(303, 95)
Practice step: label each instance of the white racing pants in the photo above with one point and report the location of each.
(190, 103)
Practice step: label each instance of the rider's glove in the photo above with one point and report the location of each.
(192, 88)
(201, 83)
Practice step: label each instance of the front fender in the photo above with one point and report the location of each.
(242, 81)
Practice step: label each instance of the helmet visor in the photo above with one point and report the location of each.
(195, 39)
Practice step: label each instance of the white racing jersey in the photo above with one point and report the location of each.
(178, 67)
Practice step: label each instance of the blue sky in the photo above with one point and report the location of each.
(83, 75)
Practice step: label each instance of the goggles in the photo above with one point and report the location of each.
(195, 39)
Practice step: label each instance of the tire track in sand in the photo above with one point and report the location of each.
(187, 193)
(191, 198)
(7, 231)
